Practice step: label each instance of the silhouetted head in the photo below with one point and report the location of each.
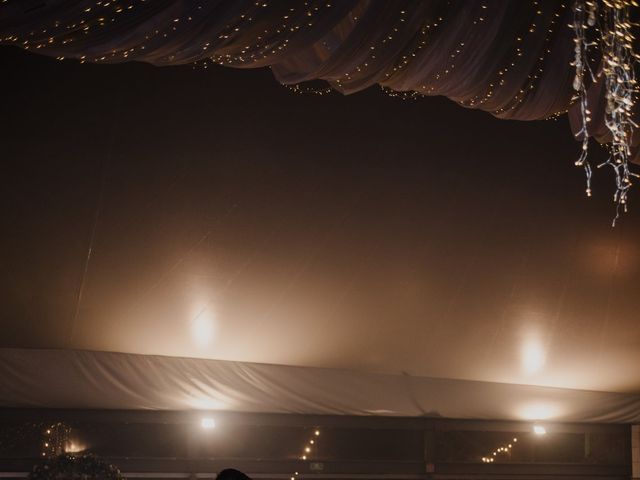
(232, 474)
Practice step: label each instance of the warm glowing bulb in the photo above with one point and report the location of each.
(515, 440)
(317, 433)
(72, 447)
(539, 430)
(307, 449)
(533, 357)
(304, 457)
(208, 423)
(311, 442)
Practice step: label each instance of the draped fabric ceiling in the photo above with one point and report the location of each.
(449, 314)
(508, 57)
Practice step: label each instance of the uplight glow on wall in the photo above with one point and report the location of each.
(202, 327)
(533, 357)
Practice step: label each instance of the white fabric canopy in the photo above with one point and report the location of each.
(101, 380)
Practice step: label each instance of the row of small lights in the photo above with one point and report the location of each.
(265, 49)
(615, 40)
(425, 90)
(105, 12)
(537, 430)
(307, 451)
(209, 423)
(309, 445)
(249, 53)
(505, 449)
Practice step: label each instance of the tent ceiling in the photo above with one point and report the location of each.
(238, 221)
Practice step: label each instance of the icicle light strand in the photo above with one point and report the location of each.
(610, 22)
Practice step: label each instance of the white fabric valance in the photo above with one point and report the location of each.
(102, 380)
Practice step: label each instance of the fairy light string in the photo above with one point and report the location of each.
(610, 24)
(309, 448)
(301, 89)
(410, 49)
(500, 451)
(584, 19)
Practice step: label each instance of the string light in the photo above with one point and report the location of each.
(609, 23)
(503, 449)
(404, 54)
(307, 450)
(305, 89)
(408, 95)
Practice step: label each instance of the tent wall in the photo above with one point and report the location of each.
(154, 444)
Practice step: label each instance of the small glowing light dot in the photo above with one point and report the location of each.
(304, 457)
(307, 449)
(317, 433)
(208, 423)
